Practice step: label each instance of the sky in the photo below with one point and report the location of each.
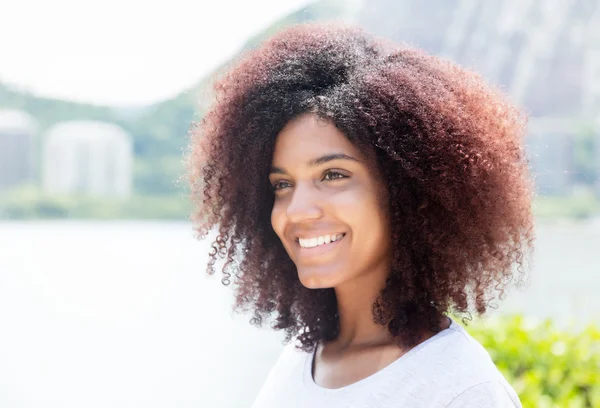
(124, 52)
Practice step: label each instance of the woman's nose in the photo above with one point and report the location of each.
(304, 204)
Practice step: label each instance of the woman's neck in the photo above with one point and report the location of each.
(358, 329)
(355, 309)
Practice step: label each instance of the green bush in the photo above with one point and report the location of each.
(547, 367)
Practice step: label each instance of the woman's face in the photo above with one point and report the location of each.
(330, 209)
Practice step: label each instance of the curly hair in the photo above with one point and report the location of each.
(449, 145)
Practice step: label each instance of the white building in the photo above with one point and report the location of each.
(17, 148)
(87, 157)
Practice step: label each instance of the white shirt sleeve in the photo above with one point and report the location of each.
(489, 394)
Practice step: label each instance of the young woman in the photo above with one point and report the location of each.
(362, 192)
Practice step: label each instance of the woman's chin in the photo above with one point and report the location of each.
(317, 280)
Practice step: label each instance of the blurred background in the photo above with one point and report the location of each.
(103, 297)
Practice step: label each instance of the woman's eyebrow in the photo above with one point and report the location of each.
(330, 157)
(318, 161)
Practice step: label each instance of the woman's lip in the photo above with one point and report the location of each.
(322, 235)
(319, 249)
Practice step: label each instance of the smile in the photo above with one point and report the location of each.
(319, 241)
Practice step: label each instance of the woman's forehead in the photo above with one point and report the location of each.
(308, 137)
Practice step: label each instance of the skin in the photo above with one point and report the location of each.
(325, 185)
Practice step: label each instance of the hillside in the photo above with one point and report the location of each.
(545, 54)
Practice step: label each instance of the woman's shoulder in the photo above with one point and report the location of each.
(487, 394)
(458, 352)
(458, 364)
(291, 359)
(285, 377)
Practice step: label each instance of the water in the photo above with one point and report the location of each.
(121, 314)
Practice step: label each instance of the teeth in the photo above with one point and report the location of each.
(320, 240)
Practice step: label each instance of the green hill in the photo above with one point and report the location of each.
(159, 131)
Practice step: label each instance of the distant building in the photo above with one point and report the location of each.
(550, 145)
(17, 148)
(89, 158)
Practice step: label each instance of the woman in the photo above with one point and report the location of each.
(361, 192)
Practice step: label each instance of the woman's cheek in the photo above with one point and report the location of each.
(351, 198)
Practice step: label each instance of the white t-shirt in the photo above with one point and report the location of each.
(450, 369)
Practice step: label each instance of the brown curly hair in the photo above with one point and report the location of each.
(450, 148)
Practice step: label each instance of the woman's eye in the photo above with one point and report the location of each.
(329, 175)
(332, 175)
(280, 185)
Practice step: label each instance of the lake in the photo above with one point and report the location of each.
(121, 314)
